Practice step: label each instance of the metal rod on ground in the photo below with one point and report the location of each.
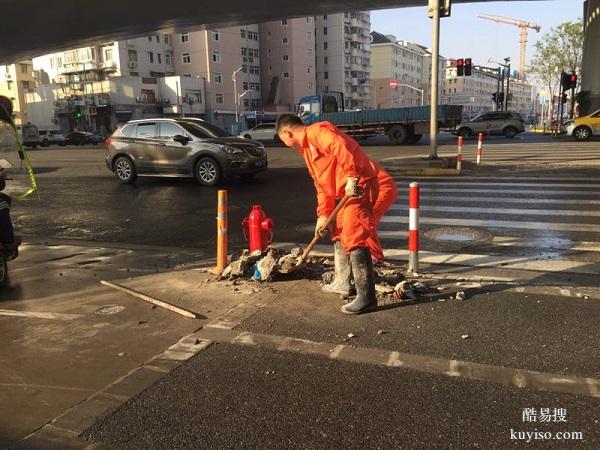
(222, 226)
(154, 301)
(459, 154)
(479, 147)
(413, 228)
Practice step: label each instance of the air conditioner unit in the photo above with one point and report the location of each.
(132, 64)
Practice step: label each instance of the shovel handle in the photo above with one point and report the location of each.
(330, 219)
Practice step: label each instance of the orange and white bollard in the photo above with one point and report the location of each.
(459, 154)
(479, 147)
(222, 226)
(413, 227)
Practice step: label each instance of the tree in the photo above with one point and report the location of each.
(560, 49)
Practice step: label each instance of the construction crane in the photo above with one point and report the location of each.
(523, 25)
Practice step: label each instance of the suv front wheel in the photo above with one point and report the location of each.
(207, 171)
(510, 132)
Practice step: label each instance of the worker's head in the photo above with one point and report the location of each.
(290, 130)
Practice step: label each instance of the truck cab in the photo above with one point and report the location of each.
(311, 107)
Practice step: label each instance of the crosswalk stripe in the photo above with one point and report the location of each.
(444, 221)
(518, 263)
(510, 211)
(486, 183)
(508, 241)
(426, 189)
(403, 199)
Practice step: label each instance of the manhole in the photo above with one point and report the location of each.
(458, 235)
(109, 310)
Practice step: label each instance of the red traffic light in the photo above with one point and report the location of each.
(459, 62)
(573, 78)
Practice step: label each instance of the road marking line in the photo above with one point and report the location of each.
(591, 228)
(434, 190)
(402, 199)
(510, 211)
(506, 262)
(45, 386)
(39, 315)
(521, 378)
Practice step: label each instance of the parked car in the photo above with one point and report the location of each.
(30, 135)
(83, 137)
(52, 137)
(585, 127)
(262, 132)
(184, 148)
(496, 123)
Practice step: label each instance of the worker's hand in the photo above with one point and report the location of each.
(352, 187)
(319, 228)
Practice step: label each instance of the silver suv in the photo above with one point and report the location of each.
(181, 147)
(496, 123)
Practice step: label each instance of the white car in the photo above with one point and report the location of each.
(262, 132)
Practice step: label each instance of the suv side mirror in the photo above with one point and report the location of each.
(183, 140)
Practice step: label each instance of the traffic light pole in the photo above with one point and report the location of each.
(435, 55)
(498, 108)
(507, 88)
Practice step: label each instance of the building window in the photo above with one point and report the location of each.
(268, 35)
(216, 36)
(186, 58)
(284, 41)
(309, 52)
(218, 77)
(256, 102)
(219, 99)
(245, 85)
(309, 69)
(255, 87)
(216, 57)
(132, 55)
(309, 35)
(185, 37)
(326, 75)
(283, 22)
(324, 45)
(325, 17)
(157, 38)
(285, 58)
(23, 68)
(325, 60)
(167, 59)
(149, 38)
(246, 103)
(286, 75)
(269, 51)
(325, 31)
(151, 56)
(310, 85)
(159, 58)
(134, 74)
(166, 38)
(9, 85)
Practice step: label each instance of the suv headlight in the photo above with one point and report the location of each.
(231, 150)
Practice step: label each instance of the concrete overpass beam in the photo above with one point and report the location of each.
(590, 68)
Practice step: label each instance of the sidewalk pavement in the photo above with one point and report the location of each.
(277, 364)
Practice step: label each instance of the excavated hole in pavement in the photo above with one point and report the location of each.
(249, 270)
(458, 235)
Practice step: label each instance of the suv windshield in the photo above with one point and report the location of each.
(203, 130)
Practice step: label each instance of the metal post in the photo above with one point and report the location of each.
(498, 91)
(179, 107)
(502, 87)
(435, 55)
(235, 96)
(507, 87)
(222, 227)
(413, 228)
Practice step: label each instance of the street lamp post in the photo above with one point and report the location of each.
(235, 95)
(422, 91)
(434, 6)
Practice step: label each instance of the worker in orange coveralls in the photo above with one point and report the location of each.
(339, 167)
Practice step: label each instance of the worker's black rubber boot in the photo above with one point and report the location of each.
(364, 280)
(343, 272)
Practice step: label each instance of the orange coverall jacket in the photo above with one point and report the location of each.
(331, 157)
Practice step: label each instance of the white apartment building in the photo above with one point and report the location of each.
(408, 65)
(229, 61)
(111, 83)
(16, 80)
(475, 92)
(343, 56)
(287, 49)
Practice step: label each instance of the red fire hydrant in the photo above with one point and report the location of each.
(258, 229)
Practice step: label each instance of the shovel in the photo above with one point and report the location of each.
(300, 261)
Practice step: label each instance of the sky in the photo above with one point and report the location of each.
(464, 35)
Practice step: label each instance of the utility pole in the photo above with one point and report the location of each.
(235, 96)
(435, 10)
